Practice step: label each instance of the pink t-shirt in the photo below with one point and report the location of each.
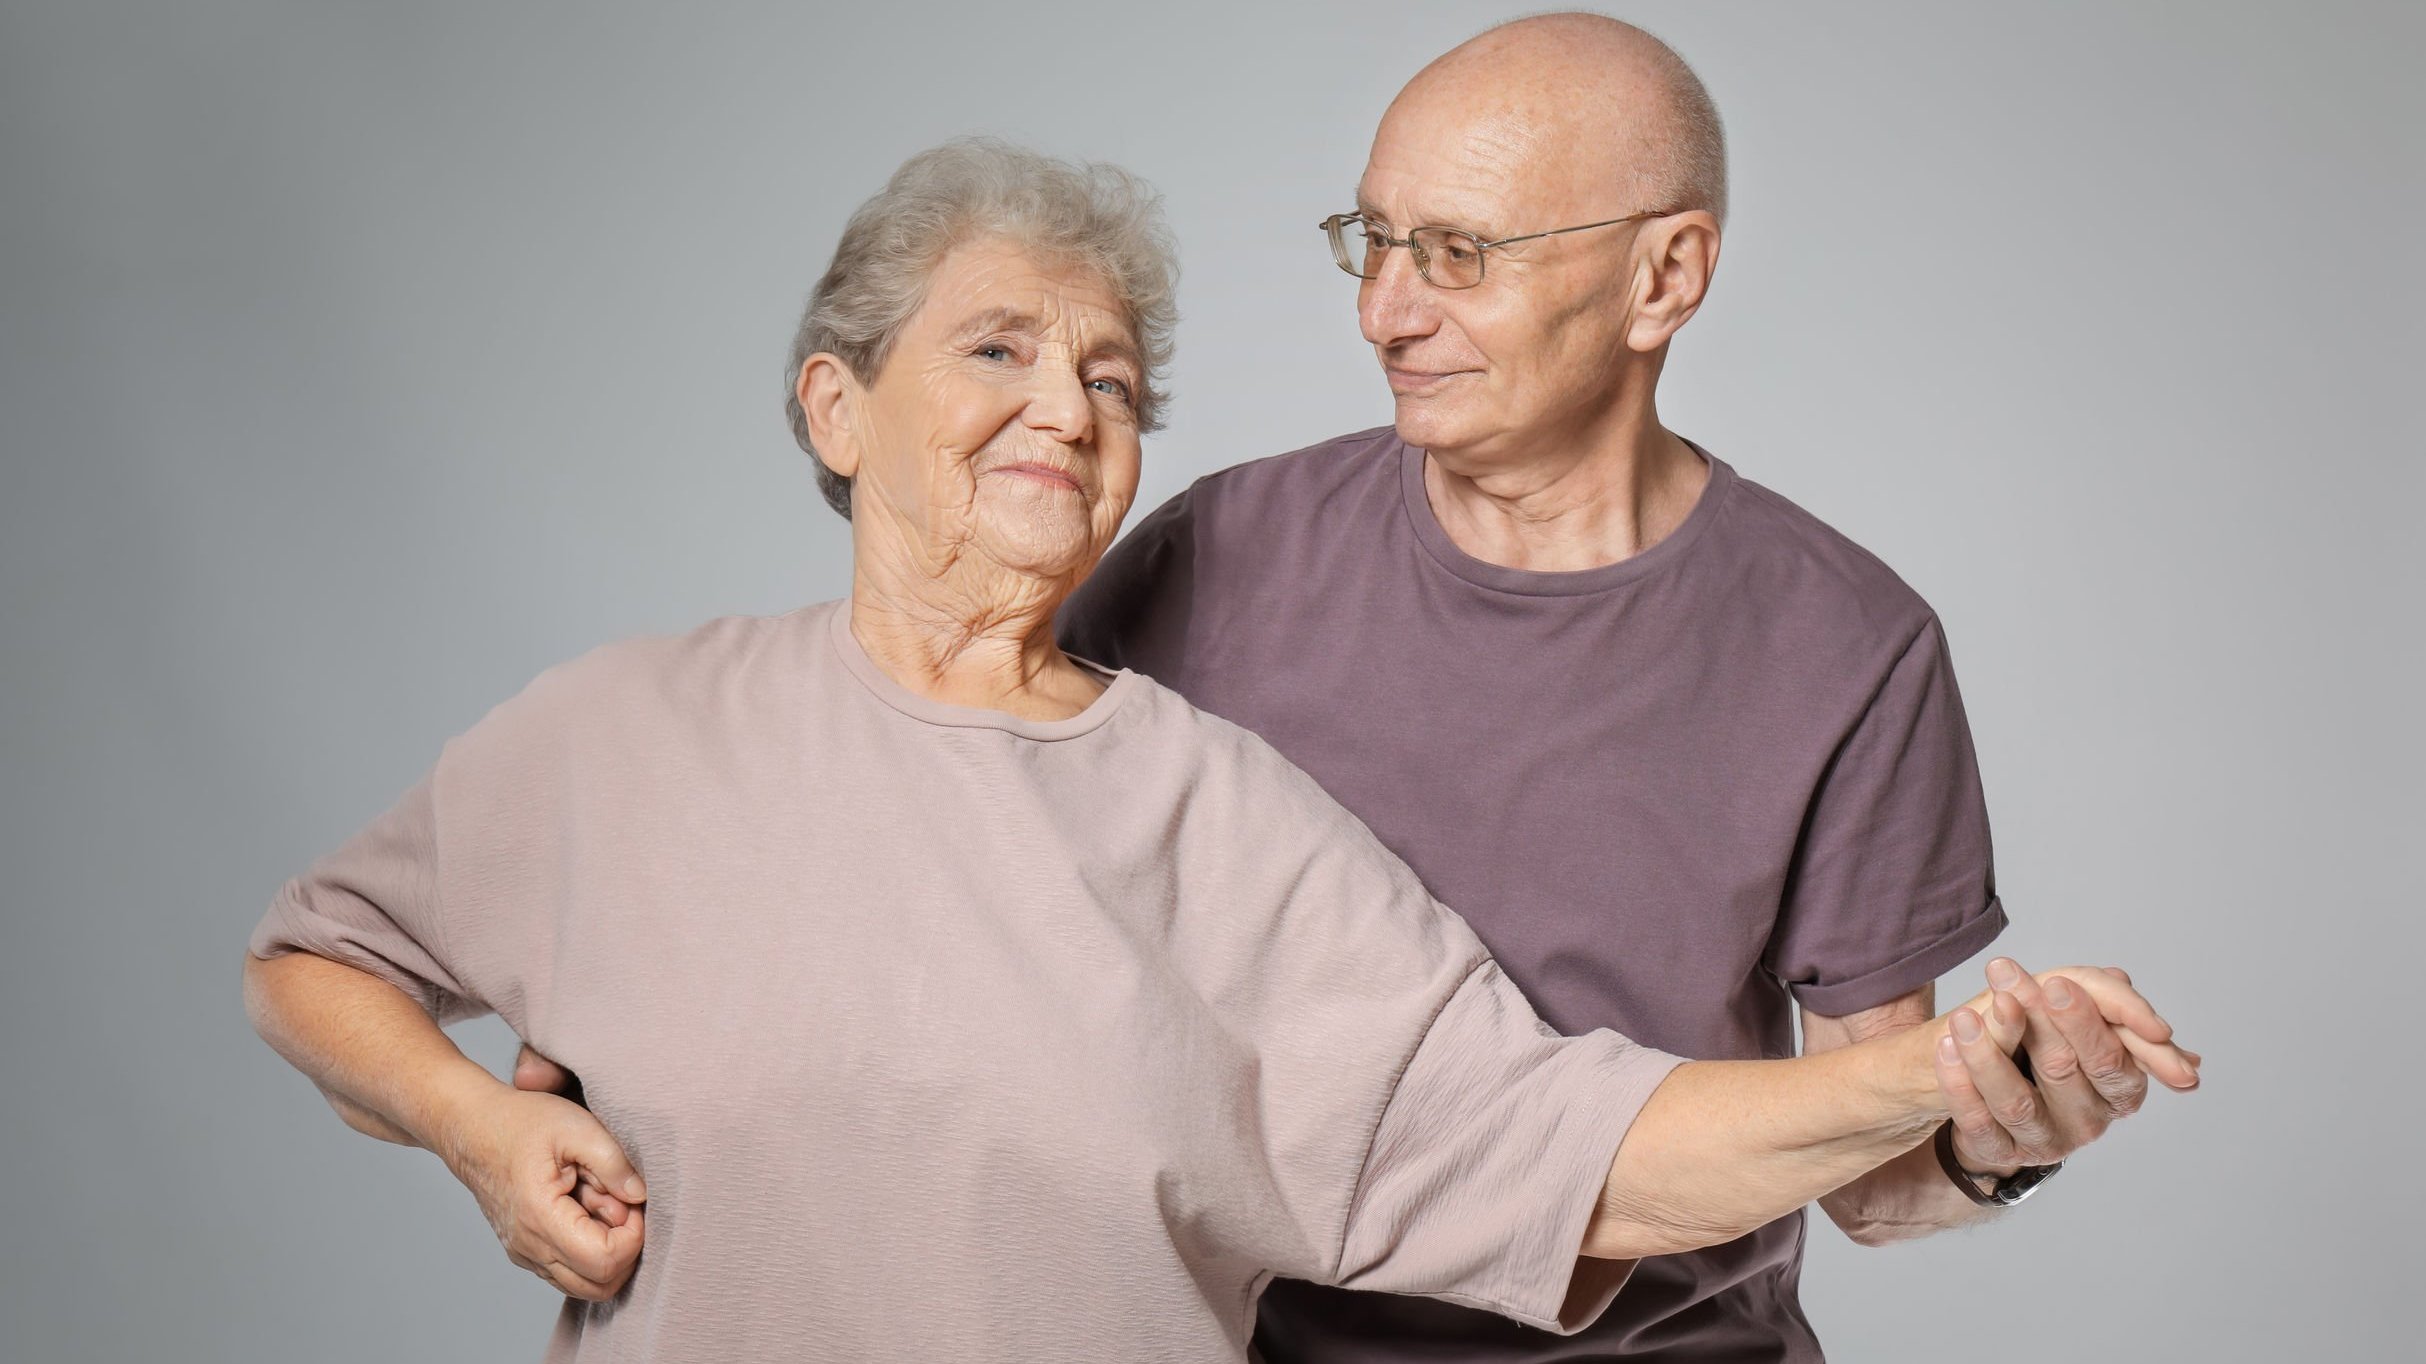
(943, 1034)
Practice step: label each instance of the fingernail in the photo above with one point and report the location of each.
(635, 1191)
(2059, 993)
(1966, 1025)
(2005, 972)
(1946, 1050)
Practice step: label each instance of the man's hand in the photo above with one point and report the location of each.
(555, 1187)
(2093, 1044)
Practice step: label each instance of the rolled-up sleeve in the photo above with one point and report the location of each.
(1491, 1156)
(1893, 882)
(374, 904)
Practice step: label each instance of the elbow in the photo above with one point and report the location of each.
(256, 995)
(1864, 1229)
(1623, 1234)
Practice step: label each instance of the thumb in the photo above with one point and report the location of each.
(533, 1071)
(587, 1143)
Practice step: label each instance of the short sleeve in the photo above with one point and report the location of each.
(374, 904)
(1892, 881)
(446, 895)
(1491, 1157)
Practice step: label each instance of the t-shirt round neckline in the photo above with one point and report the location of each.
(941, 713)
(1569, 583)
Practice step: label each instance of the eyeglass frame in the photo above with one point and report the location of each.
(1332, 226)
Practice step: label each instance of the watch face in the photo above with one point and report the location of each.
(2019, 1185)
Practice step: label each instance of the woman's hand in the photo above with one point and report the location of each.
(555, 1187)
(2094, 1042)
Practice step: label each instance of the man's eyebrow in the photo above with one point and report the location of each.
(1459, 221)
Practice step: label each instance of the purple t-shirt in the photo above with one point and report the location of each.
(1674, 795)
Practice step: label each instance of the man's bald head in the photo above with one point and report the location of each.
(1590, 100)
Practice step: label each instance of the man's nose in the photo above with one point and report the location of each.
(1396, 304)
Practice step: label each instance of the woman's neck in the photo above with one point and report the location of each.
(984, 644)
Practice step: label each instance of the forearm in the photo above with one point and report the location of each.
(1726, 1146)
(1909, 1196)
(383, 1064)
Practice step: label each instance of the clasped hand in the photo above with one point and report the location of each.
(2093, 1043)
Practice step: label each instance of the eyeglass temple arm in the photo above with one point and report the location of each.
(1580, 227)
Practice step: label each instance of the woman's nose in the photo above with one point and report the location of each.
(1058, 405)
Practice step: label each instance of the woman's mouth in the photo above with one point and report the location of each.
(1042, 473)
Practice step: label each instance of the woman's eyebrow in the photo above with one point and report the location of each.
(1117, 348)
(1003, 319)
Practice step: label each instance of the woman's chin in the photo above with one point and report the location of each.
(1037, 550)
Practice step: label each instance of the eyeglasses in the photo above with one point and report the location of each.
(1444, 256)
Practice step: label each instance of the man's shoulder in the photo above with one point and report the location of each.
(1812, 567)
(1360, 456)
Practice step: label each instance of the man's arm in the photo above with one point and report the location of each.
(2085, 1081)
(1908, 1196)
(1726, 1146)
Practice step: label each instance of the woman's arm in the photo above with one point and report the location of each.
(380, 1061)
(536, 1163)
(1726, 1146)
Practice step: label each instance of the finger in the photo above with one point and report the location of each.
(2119, 972)
(587, 1143)
(2117, 1002)
(541, 1262)
(2074, 1107)
(623, 1248)
(571, 1237)
(574, 1284)
(2011, 1100)
(1978, 1138)
(2167, 1064)
(2120, 1085)
(605, 1206)
(533, 1071)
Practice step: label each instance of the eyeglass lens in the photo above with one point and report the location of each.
(1443, 255)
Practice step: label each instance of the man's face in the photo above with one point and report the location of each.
(1486, 374)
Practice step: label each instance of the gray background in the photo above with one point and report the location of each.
(358, 361)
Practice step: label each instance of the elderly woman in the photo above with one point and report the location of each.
(960, 999)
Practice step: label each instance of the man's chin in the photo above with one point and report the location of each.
(1424, 424)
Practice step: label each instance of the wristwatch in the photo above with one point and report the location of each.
(2006, 1192)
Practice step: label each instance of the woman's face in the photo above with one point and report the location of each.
(1004, 423)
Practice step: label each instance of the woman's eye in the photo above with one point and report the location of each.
(1115, 387)
(992, 351)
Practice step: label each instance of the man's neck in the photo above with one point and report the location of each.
(1589, 504)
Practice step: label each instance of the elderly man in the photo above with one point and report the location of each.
(1689, 759)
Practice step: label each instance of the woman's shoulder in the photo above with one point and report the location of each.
(681, 671)
(1231, 763)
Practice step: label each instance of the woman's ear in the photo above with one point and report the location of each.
(829, 398)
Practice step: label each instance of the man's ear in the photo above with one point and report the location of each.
(829, 397)
(1680, 256)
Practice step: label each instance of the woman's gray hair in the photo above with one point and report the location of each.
(1094, 215)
